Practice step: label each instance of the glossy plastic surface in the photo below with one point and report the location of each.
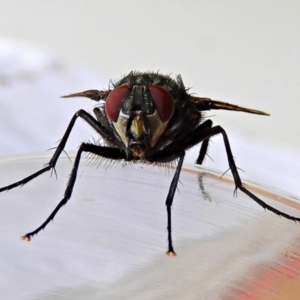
(109, 241)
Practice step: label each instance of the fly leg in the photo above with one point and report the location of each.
(199, 135)
(204, 145)
(51, 165)
(169, 202)
(107, 152)
(203, 132)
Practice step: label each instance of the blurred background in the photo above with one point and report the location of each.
(243, 52)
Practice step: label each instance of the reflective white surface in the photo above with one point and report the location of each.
(109, 241)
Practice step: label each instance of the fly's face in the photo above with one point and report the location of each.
(140, 114)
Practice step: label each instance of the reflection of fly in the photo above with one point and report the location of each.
(147, 117)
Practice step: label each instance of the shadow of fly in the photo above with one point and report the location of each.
(147, 117)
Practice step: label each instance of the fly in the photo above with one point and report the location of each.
(147, 117)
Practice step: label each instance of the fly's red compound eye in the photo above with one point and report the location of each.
(114, 101)
(163, 101)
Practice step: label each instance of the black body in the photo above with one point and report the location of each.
(147, 117)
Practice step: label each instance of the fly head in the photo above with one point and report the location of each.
(139, 112)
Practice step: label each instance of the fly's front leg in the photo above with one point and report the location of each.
(51, 165)
(107, 152)
(169, 202)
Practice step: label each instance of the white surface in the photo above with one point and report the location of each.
(109, 241)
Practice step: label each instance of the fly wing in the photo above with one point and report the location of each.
(208, 104)
(92, 94)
